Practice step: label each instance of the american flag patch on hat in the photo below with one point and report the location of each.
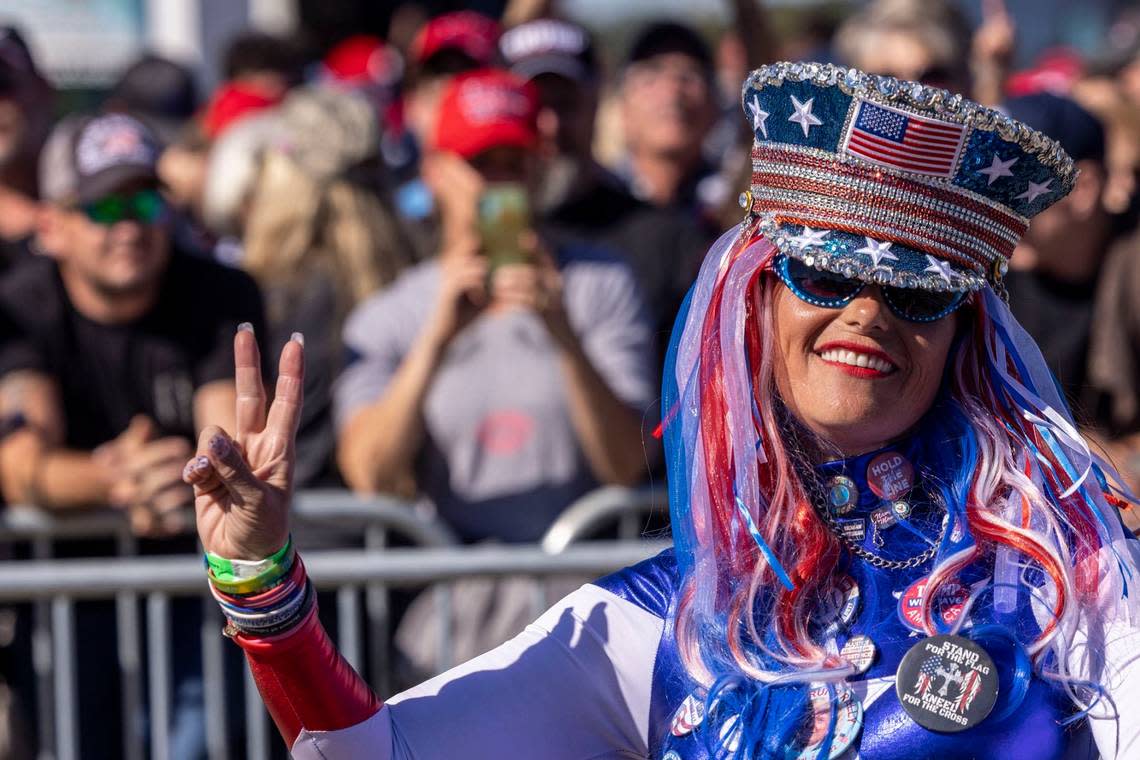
(904, 141)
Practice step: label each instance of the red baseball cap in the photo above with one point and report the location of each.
(484, 109)
(363, 59)
(231, 103)
(471, 33)
(1056, 72)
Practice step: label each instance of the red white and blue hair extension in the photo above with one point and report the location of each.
(1025, 493)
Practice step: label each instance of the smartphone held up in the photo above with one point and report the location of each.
(504, 215)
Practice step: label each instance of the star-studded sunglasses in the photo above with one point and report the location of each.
(834, 291)
(145, 206)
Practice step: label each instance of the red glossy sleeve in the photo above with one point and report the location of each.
(305, 682)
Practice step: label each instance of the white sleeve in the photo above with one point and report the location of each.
(1106, 651)
(575, 685)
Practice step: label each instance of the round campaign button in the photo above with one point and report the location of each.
(901, 509)
(688, 716)
(860, 652)
(949, 604)
(947, 683)
(842, 495)
(671, 755)
(890, 475)
(848, 721)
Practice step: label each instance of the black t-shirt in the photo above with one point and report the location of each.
(14, 252)
(109, 373)
(312, 310)
(664, 248)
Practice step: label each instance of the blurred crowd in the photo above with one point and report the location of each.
(484, 229)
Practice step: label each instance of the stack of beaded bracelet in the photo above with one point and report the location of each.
(261, 598)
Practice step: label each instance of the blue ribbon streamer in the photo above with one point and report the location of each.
(773, 563)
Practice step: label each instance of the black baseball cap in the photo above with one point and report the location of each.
(16, 62)
(159, 91)
(669, 37)
(1080, 133)
(550, 46)
(86, 158)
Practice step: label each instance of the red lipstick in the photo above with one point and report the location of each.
(854, 371)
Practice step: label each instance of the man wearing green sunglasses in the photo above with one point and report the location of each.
(145, 206)
(114, 272)
(103, 221)
(126, 356)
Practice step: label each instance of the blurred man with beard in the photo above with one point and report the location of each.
(578, 199)
(111, 381)
(25, 117)
(103, 312)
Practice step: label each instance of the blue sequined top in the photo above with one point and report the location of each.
(884, 612)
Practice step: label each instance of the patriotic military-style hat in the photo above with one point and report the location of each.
(893, 182)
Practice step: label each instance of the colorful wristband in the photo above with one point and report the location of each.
(269, 598)
(273, 622)
(251, 621)
(279, 642)
(244, 577)
(268, 611)
(229, 570)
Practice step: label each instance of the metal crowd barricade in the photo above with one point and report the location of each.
(628, 507)
(41, 529)
(54, 586)
(61, 582)
(374, 519)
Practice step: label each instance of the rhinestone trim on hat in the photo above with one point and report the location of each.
(814, 161)
(816, 210)
(840, 262)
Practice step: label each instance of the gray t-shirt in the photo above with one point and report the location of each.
(501, 459)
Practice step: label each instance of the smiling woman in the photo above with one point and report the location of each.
(890, 541)
(857, 375)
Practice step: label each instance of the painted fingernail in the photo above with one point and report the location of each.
(194, 467)
(299, 338)
(245, 327)
(220, 446)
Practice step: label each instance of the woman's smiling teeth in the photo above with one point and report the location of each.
(854, 359)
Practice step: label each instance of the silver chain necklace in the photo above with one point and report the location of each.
(875, 559)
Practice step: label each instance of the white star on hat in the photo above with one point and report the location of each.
(759, 116)
(810, 237)
(1035, 189)
(803, 115)
(997, 168)
(938, 267)
(877, 251)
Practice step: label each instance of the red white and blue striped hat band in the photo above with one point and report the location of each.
(891, 181)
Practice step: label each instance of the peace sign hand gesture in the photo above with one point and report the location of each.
(243, 485)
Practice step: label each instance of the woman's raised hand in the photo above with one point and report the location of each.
(243, 484)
